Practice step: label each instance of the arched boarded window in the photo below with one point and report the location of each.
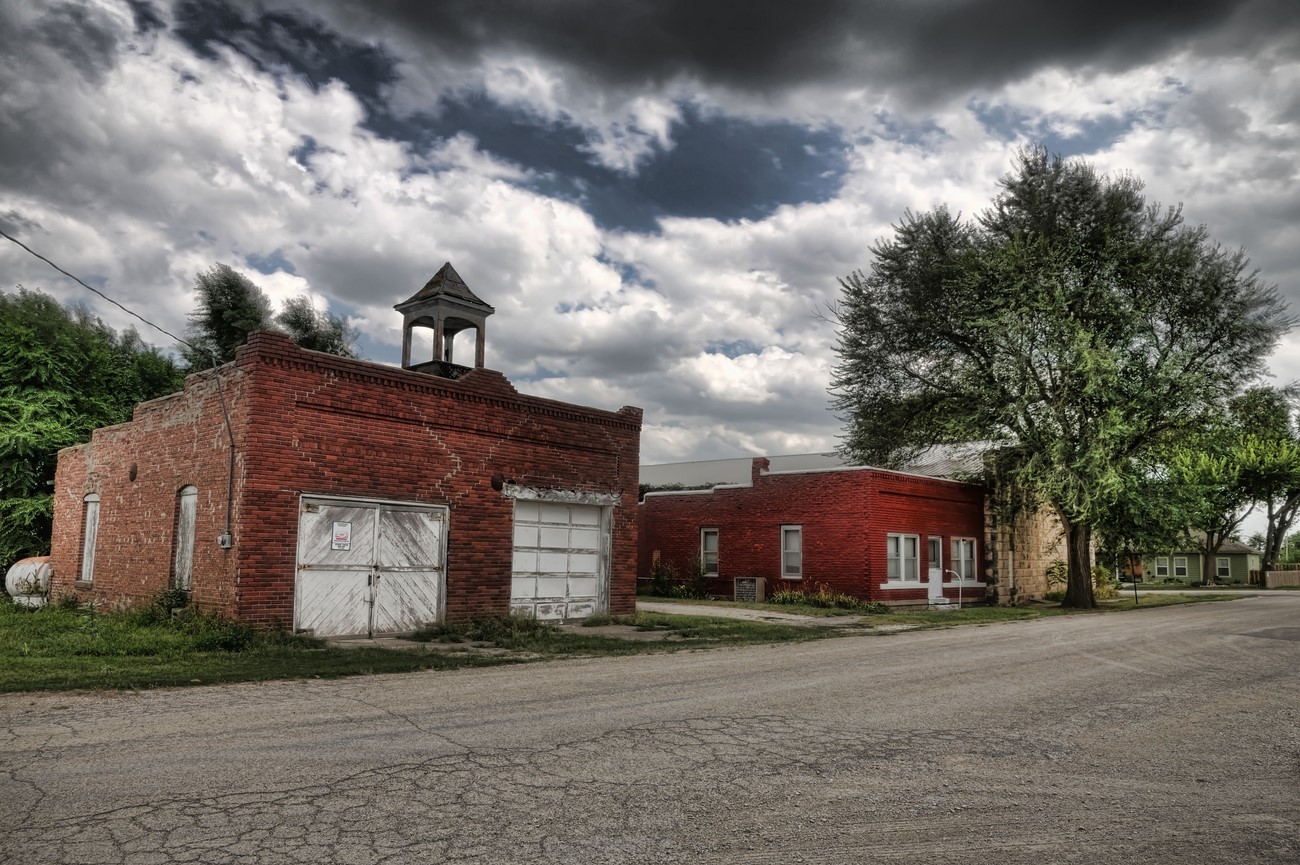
(90, 531)
(187, 501)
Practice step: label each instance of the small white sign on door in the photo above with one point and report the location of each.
(342, 536)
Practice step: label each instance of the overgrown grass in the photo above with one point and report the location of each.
(60, 649)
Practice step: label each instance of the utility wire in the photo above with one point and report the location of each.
(79, 281)
(216, 364)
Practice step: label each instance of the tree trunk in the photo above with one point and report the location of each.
(1078, 591)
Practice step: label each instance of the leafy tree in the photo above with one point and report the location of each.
(1208, 476)
(231, 306)
(317, 331)
(63, 373)
(1271, 462)
(1070, 322)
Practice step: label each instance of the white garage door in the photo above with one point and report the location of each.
(559, 560)
(368, 568)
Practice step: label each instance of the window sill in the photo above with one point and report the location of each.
(82, 584)
(965, 584)
(902, 584)
(792, 579)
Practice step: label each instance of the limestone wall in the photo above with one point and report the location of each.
(1018, 553)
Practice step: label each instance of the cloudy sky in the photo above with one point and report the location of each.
(658, 196)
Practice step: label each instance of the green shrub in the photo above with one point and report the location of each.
(663, 577)
(1104, 585)
(1054, 595)
(822, 597)
(1058, 574)
(67, 601)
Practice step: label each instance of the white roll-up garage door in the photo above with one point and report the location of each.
(559, 560)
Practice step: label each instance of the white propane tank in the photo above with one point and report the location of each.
(28, 581)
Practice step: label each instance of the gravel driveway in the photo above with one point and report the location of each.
(1168, 735)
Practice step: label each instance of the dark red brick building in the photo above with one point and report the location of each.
(875, 534)
(348, 497)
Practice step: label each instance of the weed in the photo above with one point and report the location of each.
(821, 596)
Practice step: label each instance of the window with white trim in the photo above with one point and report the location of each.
(963, 558)
(792, 552)
(1223, 568)
(901, 558)
(89, 534)
(183, 553)
(1180, 566)
(1162, 566)
(709, 551)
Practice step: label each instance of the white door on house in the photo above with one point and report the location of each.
(367, 568)
(560, 560)
(936, 569)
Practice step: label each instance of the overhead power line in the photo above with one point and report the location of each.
(82, 283)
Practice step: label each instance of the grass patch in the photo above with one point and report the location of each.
(55, 649)
(529, 636)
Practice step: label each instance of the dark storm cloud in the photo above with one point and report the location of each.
(927, 48)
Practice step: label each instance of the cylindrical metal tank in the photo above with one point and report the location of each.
(28, 581)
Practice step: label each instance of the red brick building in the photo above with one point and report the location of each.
(875, 534)
(348, 497)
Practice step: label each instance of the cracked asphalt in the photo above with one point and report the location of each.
(1160, 736)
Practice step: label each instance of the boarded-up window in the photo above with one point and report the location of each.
(187, 501)
(90, 533)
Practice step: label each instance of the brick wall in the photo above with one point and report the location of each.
(309, 423)
(845, 516)
(171, 442)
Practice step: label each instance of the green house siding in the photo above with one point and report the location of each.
(1239, 567)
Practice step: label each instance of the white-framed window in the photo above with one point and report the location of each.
(792, 552)
(709, 551)
(89, 533)
(1180, 566)
(187, 501)
(1162, 566)
(901, 555)
(963, 558)
(1223, 567)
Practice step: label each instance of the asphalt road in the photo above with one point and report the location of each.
(1159, 736)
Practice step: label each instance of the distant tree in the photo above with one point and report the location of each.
(1271, 462)
(318, 331)
(63, 373)
(1208, 475)
(230, 307)
(1071, 322)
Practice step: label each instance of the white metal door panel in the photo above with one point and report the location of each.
(409, 574)
(335, 559)
(559, 567)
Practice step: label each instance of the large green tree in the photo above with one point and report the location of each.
(63, 373)
(1070, 322)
